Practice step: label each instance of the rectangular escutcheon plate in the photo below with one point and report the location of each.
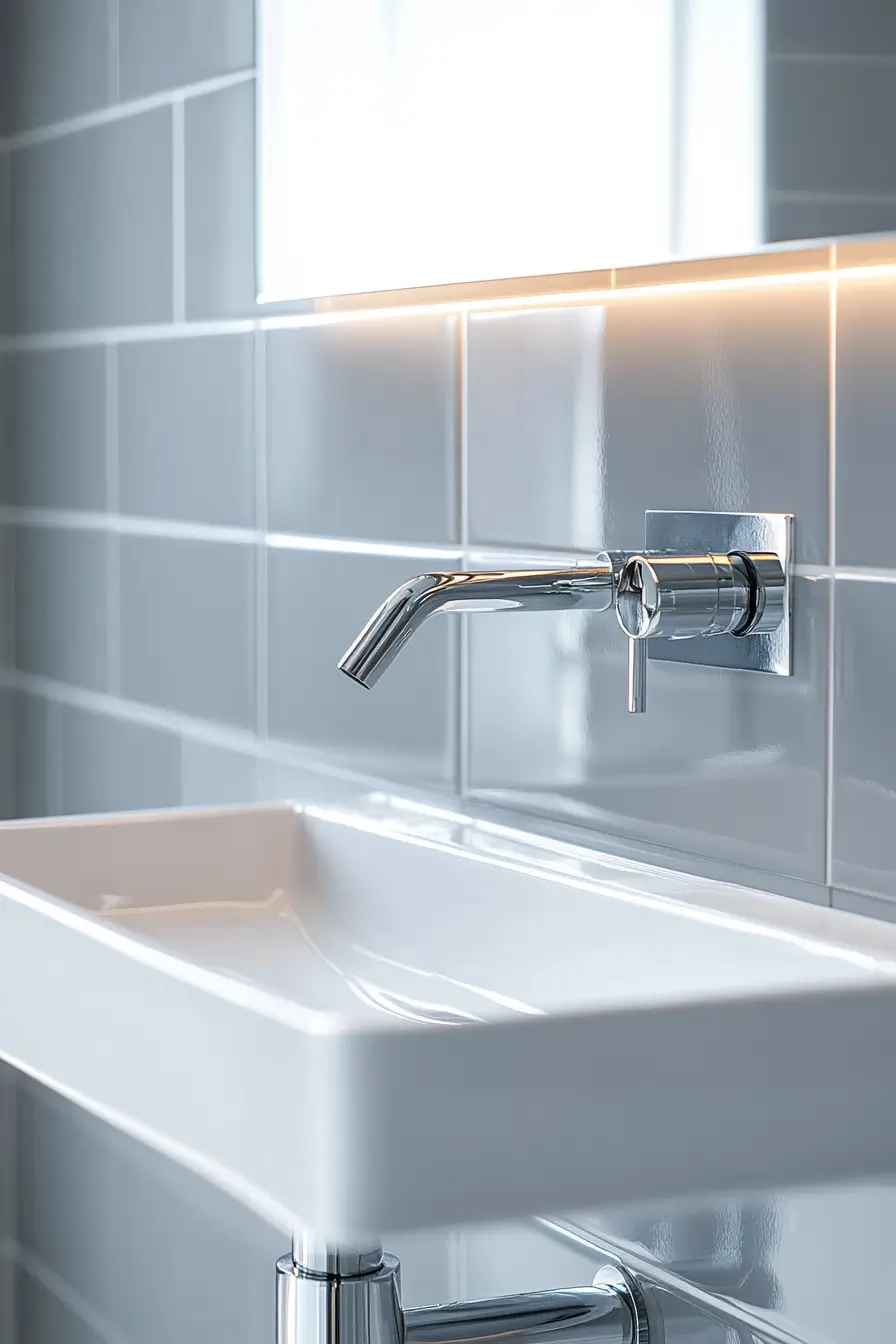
(699, 533)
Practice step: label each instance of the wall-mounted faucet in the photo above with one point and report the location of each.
(584, 588)
(700, 575)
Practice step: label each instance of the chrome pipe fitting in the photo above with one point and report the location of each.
(336, 1307)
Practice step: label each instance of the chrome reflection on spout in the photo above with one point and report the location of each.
(585, 587)
(352, 1296)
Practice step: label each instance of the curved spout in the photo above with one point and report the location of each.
(391, 626)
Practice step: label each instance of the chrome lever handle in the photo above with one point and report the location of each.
(637, 675)
(689, 597)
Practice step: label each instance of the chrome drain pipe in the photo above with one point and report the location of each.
(352, 1296)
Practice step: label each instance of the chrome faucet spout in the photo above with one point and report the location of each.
(590, 588)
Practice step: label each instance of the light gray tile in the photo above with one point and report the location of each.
(165, 44)
(219, 155)
(91, 227)
(8, 1132)
(361, 430)
(57, 428)
(866, 410)
(828, 126)
(535, 427)
(42, 1318)
(725, 765)
(62, 1191)
(7, 464)
(863, 27)
(317, 604)
(185, 429)
(111, 765)
(5, 315)
(59, 60)
(174, 1233)
(34, 759)
(212, 775)
(279, 781)
(828, 217)
(188, 623)
(426, 1267)
(5, 71)
(718, 401)
(8, 800)
(692, 401)
(132, 1234)
(7, 595)
(864, 840)
(858, 903)
(504, 1258)
(60, 604)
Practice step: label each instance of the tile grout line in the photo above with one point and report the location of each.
(54, 759)
(462, 709)
(832, 594)
(121, 111)
(242, 741)
(172, 529)
(178, 214)
(261, 522)
(277, 321)
(457, 1265)
(113, 539)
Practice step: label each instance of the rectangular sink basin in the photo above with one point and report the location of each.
(386, 1017)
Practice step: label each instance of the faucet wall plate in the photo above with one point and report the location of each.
(696, 533)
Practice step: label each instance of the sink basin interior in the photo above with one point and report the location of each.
(339, 914)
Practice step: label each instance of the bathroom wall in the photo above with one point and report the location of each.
(202, 501)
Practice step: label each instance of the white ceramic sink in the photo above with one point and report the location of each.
(371, 1020)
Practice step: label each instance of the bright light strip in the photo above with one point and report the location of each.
(579, 298)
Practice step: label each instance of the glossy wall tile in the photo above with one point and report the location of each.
(219, 203)
(580, 420)
(864, 780)
(104, 197)
(866, 407)
(166, 44)
(187, 619)
(62, 66)
(536, 470)
(61, 630)
(725, 765)
(405, 731)
(185, 433)
(362, 430)
(56, 406)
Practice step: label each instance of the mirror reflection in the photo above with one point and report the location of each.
(408, 143)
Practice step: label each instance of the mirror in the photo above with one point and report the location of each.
(418, 143)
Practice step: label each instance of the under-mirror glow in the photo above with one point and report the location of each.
(410, 143)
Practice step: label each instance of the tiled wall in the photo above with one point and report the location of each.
(829, 101)
(201, 508)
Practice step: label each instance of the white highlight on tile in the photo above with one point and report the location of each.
(286, 541)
